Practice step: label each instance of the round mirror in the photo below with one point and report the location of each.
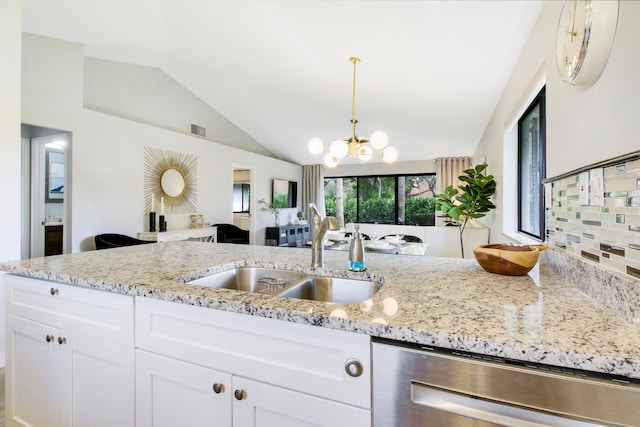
(172, 182)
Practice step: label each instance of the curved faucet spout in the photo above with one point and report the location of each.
(319, 228)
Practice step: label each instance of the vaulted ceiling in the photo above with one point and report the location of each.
(430, 77)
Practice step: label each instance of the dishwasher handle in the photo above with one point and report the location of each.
(497, 414)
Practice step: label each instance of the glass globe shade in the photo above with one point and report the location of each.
(339, 148)
(315, 146)
(389, 154)
(379, 140)
(330, 161)
(364, 153)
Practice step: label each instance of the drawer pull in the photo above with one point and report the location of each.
(218, 388)
(353, 367)
(53, 291)
(62, 340)
(49, 338)
(240, 394)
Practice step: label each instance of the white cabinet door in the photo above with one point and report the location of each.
(97, 382)
(70, 355)
(299, 357)
(262, 405)
(32, 383)
(173, 393)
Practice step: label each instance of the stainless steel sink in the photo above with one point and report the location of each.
(330, 289)
(251, 279)
(291, 284)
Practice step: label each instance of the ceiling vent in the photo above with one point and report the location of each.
(198, 130)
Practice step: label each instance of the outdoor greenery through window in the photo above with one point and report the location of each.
(382, 199)
(531, 168)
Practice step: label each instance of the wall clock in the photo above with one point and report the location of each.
(584, 38)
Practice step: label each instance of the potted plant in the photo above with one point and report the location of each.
(471, 200)
(300, 215)
(269, 207)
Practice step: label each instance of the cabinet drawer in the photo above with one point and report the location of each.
(95, 313)
(299, 357)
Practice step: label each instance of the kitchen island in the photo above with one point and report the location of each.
(439, 302)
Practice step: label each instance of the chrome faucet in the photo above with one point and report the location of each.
(319, 229)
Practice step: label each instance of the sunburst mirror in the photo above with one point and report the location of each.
(171, 177)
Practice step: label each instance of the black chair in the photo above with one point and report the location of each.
(229, 233)
(409, 239)
(363, 235)
(112, 240)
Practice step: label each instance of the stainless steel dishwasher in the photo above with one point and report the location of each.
(416, 386)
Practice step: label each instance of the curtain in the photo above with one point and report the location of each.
(313, 189)
(448, 170)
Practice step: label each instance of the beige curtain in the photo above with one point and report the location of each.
(313, 189)
(448, 170)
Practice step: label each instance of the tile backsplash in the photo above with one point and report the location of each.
(599, 222)
(593, 231)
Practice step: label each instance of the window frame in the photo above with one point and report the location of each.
(396, 198)
(538, 102)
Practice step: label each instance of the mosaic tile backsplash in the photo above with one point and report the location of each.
(607, 233)
(593, 218)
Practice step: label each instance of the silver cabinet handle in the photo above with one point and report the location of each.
(53, 291)
(353, 367)
(218, 388)
(62, 340)
(240, 394)
(49, 338)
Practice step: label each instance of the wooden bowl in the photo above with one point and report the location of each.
(511, 260)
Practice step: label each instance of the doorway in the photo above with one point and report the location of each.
(46, 185)
(243, 199)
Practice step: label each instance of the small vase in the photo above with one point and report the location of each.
(277, 217)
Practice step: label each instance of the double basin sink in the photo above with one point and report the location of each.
(292, 284)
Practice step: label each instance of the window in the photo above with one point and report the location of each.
(382, 199)
(241, 198)
(531, 168)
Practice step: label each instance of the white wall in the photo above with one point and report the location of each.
(108, 152)
(154, 98)
(584, 125)
(10, 39)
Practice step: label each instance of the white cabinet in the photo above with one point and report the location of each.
(173, 393)
(274, 373)
(262, 405)
(70, 356)
(72, 362)
(31, 380)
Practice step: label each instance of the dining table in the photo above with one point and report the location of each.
(379, 246)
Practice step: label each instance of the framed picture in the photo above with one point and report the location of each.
(54, 176)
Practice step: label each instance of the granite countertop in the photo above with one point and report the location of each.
(444, 302)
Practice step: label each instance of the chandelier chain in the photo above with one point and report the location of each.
(353, 146)
(355, 61)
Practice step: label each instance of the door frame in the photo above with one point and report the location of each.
(252, 200)
(33, 190)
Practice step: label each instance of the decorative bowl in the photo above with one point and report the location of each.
(508, 259)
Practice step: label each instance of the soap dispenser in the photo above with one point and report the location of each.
(356, 252)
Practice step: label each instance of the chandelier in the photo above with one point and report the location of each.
(355, 146)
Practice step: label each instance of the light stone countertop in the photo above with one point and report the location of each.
(443, 302)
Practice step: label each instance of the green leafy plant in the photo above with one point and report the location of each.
(270, 207)
(300, 215)
(471, 200)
